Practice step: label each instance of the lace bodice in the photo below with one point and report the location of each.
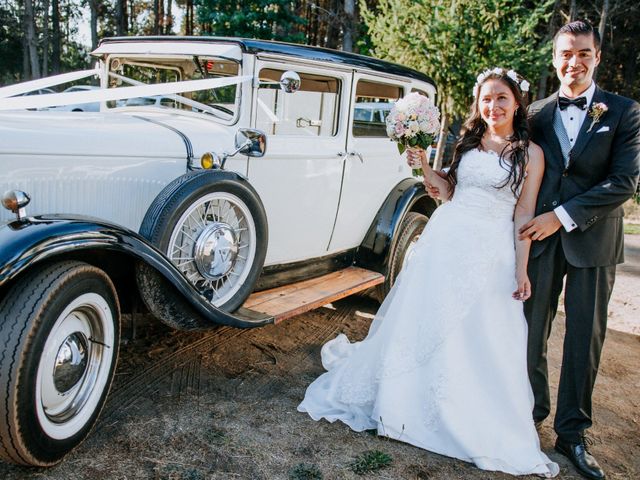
(479, 173)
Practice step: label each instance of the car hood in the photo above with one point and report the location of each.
(129, 134)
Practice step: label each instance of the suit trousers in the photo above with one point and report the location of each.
(587, 294)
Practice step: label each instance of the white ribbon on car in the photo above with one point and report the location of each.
(25, 87)
(103, 95)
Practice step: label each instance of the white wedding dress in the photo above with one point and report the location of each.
(443, 366)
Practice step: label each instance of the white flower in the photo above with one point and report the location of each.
(497, 71)
(413, 116)
(512, 75)
(480, 78)
(524, 86)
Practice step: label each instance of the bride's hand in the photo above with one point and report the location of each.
(415, 156)
(524, 287)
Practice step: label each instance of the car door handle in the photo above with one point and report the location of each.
(356, 154)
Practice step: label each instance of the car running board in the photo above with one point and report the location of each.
(291, 300)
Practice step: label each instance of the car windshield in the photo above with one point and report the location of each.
(221, 103)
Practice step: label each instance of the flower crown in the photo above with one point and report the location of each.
(522, 84)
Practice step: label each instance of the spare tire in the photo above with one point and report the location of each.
(212, 226)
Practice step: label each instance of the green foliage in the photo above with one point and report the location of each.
(632, 229)
(264, 19)
(370, 461)
(305, 471)
(10, 43)
(453, 40)
(73, 55)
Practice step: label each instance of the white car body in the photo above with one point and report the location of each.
(325, 188)
(223, 182)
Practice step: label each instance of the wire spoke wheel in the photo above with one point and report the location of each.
(213, 244)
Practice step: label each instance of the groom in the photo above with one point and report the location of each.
(591, 143)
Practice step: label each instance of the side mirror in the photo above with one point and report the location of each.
(251, 142)
(290, 81)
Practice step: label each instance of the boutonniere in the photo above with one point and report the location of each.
(596, 112)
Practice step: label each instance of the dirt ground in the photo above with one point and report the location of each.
(222, 404)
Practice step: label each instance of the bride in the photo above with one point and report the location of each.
(443, 366)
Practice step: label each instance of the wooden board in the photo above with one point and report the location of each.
(290, 300)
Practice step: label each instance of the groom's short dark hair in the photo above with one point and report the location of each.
(578, 27)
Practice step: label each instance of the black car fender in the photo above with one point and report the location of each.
(32, 241)
(407, 196)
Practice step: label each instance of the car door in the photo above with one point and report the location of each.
(300, 176)
(373, 165)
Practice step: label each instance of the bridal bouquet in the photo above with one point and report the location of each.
(413, 122)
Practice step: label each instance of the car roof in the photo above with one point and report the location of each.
(291, 49)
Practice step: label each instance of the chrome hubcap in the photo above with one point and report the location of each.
(213, 244)
(74, 366)
(216, 250)
(71, 362)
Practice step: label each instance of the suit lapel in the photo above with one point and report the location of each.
(584, 135)
(546, 121)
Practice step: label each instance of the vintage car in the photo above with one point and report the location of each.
(246, 194)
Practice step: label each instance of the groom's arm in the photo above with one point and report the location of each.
(622, 180)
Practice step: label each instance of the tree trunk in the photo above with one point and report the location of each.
(168, 30)
(161, 19)
(348, 26)
(45, 38)
(31, 41)
(156, 17)
(333, 32)
(604, 16)
(93, 7)
(544, 74)
(132, 16)
(26, 71)
(630, 69)
(189, 22)
(573, 11)
(121, 17)
(312, 36)
(55, 40)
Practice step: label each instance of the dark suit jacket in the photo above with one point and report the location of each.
(601, 175)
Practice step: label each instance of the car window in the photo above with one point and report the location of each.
(220, 102)
(372, 105)
(140, 101)
(311, 111)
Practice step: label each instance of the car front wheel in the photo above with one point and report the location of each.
(59, 344)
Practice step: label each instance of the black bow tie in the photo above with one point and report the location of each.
(580, 102)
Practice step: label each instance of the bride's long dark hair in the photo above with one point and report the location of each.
(514, 155)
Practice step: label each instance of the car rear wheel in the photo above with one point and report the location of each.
(59, 346)
(410, 230)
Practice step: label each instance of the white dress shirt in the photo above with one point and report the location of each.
(572, 119)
